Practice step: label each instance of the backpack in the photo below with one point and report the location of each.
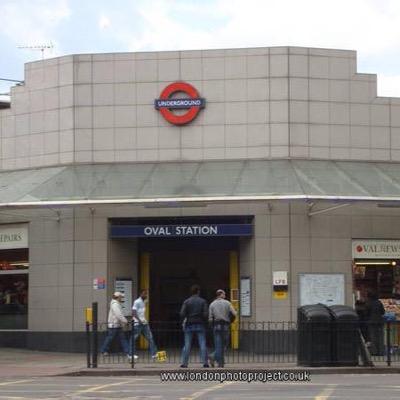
(232, 317)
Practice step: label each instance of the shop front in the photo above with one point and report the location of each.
(376, 269)
(14, 276)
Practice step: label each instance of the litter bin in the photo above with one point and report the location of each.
(345, 336)
(314, 335)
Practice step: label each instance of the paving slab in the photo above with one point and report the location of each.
(28, 363)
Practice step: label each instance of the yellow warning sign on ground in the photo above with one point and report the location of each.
(280, 295)
(161, 356)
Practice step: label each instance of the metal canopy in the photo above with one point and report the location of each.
(209, 181)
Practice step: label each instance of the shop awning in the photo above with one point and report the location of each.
(207, 181)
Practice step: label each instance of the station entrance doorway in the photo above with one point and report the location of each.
(169, 267)
(176, 253)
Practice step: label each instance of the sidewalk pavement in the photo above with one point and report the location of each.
(23, 363)
(29, 363)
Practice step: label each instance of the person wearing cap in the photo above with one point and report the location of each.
(140, 325)
(221, 314)
(116, 320)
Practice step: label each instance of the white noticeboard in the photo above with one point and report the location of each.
(125, 286)
(327, 289)
(245, 297)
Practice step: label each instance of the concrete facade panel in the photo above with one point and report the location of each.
(260, 103)
(112, 91)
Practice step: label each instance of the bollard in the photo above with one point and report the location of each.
(95, 336)
(88, 321)
(132, 344)
(388, 345)
(88, 347)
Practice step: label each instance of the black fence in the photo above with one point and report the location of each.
(251, 342)
(266, 343)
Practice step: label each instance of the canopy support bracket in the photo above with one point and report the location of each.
(324, 210)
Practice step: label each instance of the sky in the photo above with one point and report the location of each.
(372, 27)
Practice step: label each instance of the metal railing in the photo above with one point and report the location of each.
(258, 343)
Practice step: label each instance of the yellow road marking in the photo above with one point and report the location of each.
(95, 388)
(325, 394)
(14, 398)
(15, 382)
(196, 395)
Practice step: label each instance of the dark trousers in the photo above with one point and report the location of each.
(375, 333)
(111, 333)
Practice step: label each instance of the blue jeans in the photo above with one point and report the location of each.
(111, 333)
(142, 329)
(200, 332)
(221, 334)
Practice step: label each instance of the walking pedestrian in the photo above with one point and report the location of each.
(221, 315)
(194, 314)
(116, 321)
(141, 326)
(375, 312)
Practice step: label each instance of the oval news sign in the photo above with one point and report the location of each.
(166, 103)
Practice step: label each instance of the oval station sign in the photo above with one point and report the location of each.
(167, 103)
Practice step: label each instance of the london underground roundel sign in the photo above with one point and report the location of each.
(192, 102)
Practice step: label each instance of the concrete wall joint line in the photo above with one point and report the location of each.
(73, 265)
(290, 262)
(289, 139)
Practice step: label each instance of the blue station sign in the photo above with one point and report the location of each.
(205, 230)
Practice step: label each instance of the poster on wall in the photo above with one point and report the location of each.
(280, 285)
(125, 286)
(99, 283)
(245, 297)
(327, 289)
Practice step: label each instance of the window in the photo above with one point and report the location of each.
(14, 283)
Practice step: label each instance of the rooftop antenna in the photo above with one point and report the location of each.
(41, 47)
(11, 80)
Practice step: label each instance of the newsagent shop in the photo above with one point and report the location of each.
(271, 173)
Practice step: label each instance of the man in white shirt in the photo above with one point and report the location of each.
(140, 325)
(116, 321)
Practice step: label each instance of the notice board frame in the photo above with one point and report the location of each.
(127, 291)
(245, 281)
(342, 286)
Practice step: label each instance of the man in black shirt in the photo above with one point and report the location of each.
(194, 314)
(375, 312)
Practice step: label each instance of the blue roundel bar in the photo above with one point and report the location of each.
(179, 104)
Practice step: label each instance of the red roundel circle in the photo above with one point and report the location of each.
(192, 112)
(359, 249)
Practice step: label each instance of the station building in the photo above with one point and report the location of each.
(272, 173)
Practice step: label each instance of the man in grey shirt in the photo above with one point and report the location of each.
(221, 313)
